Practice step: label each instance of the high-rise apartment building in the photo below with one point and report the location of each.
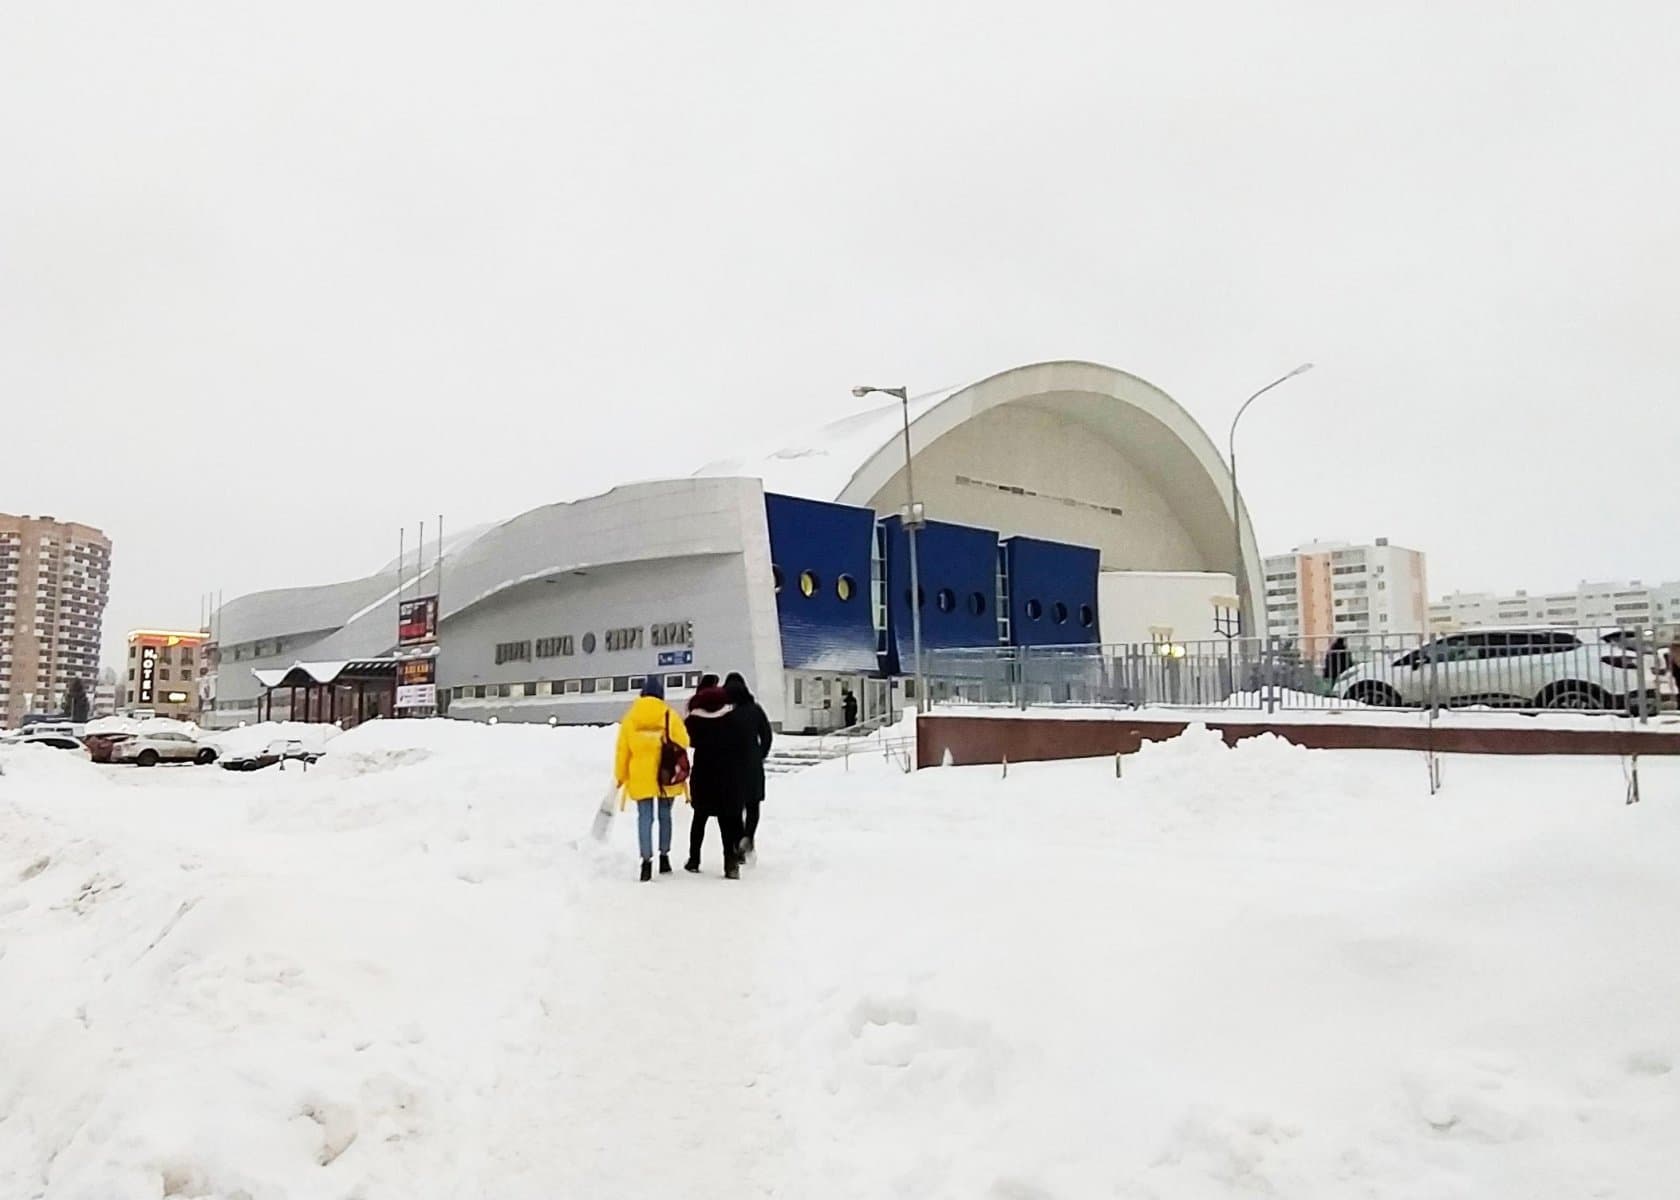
(55, 578)
(1627, 605)
(1333, 589)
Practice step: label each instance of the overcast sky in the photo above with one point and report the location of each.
(276, 279)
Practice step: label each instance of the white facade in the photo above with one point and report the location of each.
(1629, 604)
(1070, 451)
(1326, 590)
(1169, 606)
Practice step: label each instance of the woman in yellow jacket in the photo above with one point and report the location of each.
(641, 743)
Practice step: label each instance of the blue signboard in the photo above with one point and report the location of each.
(675, 658)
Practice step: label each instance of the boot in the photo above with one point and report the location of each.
(692, 866)
(732, 870)
(647, 869)
(664, 864)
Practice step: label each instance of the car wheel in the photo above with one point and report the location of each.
(205, 757)
(1577, 697)
(1377, 695)
(146, 758)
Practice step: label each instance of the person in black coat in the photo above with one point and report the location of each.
(1338, 660)
(735, 687)
(725, 751)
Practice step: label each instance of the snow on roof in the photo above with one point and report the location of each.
(819, 463)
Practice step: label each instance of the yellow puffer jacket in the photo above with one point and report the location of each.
(640, 736)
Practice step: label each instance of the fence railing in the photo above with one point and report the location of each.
(1586, 670)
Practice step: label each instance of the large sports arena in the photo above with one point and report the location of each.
(1067, 503)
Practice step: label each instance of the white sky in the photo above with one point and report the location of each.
(276, 279)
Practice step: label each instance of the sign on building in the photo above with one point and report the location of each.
(417, 683)
(148, 672)
(417, 620)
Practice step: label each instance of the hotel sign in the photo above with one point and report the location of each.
(148, 672)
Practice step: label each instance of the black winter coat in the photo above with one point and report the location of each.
(742, 699)
(725, 750)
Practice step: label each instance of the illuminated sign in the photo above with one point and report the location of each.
(148, 672)
(417, 620)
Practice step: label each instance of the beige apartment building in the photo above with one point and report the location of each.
(1326, 590)
(55, 577)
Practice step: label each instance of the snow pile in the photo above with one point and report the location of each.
(254, 739)
(1230, 972)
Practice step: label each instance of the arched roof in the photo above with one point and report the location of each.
(853, 459)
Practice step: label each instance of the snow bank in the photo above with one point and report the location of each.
(1259, 970)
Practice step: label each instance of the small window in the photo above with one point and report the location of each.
(694, 679)
(133, 650)
(799, 689)
(844, 587)
(478, 692)
(573, 686)
(673, 681)
(621, 683)
(977, 604)
(603, 685)
(776, 575)
(586, 686)
(527, 689)
(1035, 610)
(1059, 613)
(637, 682)
(163, 672)
(809, 584)
(946, 599)
(1087, 617)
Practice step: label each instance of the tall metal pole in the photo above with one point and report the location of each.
(1237, 566)
(912, 524)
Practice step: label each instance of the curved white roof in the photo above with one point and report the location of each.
(851, 460)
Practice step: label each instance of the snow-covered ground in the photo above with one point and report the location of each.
(1259, 971)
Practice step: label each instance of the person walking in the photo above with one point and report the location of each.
(848, 708)
(1338, 660)
(650, 767)
(735, 687)
(725, 754)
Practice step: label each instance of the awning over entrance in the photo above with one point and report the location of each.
(302, 674)
(344, 693)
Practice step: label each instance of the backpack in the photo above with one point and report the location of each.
(673, 760)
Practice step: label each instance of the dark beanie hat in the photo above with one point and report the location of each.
(655, 687)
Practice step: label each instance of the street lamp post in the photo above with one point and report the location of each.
(913, 522)
(1236, 496)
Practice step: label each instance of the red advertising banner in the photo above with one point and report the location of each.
(417, 620)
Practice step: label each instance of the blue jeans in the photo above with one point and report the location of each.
(644, 825)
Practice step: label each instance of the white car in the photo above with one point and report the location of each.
(1514, 668)
(150, 749)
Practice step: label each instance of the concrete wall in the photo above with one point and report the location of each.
(1134, 603)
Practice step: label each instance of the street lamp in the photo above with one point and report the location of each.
(1236, 496)
(914, 519)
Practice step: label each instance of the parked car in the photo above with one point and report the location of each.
(1514, 667)
(274, 752)
(100, 745)
(150, 749)
(50, 738)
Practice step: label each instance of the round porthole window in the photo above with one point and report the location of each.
(1058, 613)
(1087, 618)
(589, 643)
(1035, 610)
(946, 599)
(809, 584)
(844, 587)
(977, 604)
(776, 574)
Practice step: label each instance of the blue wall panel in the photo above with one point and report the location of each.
(959, 585)
(1052, 593)
(830, 541)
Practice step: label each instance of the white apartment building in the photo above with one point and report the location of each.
(1325, 590)
(1630, 604)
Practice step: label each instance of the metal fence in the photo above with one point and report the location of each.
(1586, 670)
